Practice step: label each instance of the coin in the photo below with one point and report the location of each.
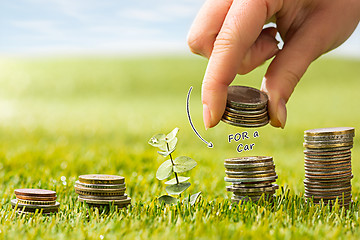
(245, 112)
(330, 131)
(247, 160)
(35, 192)
(252, 180)
(249, 165)
(100, 186)
(246, 125)
(108, 198)
(34, 198)
(35, 202)
(252, 173)
(254, 176)
(101, 179)
(328, 145)
(81, 192)
(317, 153)
(100, 201)
(247, 116)
(252, 190)
(242, 120)
(246, 96)
(33, 208)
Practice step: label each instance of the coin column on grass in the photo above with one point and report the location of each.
(35, 200)
(328, 165)
(98, 190)
(246, 107)
(251, 178)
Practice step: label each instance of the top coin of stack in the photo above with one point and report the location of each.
(328, 164)
(246, 107)
(251, 177)
(30, 200)
(100, 189)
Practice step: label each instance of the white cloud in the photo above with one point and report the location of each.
(45, 27)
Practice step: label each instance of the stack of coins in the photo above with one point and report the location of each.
(251, 177)
(32, 200)
(100, 190)
(246, 107)
(328, 164)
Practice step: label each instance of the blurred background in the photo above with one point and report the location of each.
(85, 84)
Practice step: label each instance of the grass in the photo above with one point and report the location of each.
(60, 118)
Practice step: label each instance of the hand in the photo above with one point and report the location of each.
(230, 33)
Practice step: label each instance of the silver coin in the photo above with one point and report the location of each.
(251, 173)
(249, 165)
(253, 185)
(335, 181)
(327, 173)
(332, 189)
(108, 198)
(252, 190)
(101, 201)
(246, 176)
(249, 159)
(242, 180)
(14, 203)
(100, 186)
(345, 140)
(246, 116)
(245, 112)
(245, 125)
(329, 137)
(245, 121)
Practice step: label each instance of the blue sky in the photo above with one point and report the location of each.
(104, 27)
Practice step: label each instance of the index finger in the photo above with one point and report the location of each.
(242, 26)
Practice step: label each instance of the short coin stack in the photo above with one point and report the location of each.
(251, 177)
(328, 164)
(100, 190)
(246, 107)
(32, 200)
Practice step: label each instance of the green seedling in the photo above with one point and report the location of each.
(177, 185)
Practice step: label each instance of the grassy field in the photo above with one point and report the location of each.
(60, 118)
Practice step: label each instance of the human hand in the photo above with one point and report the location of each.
(230, 33)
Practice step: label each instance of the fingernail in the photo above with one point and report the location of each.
(281, 112)
(206, 116)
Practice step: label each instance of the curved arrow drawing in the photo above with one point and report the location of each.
(209, 144)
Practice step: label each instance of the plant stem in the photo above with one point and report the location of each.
(172, 162)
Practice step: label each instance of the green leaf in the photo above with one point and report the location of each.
(171, 145)
(184, 164)
(165, 170)
(168, 199)
(158, 140)
(171, 135)
(194, 198)
(173, 181)
(177, 188)
(166, 153)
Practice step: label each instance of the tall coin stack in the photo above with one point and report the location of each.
(251, 177)
(32, 200)
(246, 107)
(100, 190)
(328, 164)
